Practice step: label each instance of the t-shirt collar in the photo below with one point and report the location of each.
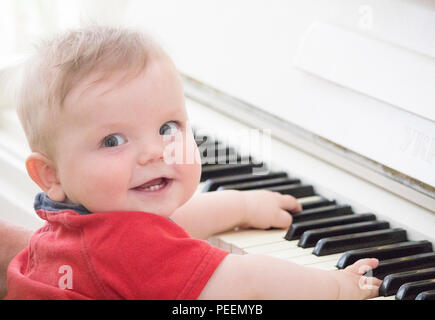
(42, 201)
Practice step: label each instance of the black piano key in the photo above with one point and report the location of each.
(323, 212)
(220, 170)
(295, 190)
(214, 184)
(409, 291)
(321, 202)
(408, 263)
(427, 295)
(392, 282)
(261, 184)
(344, 243)
(311, 237)
(297, 229)
(386, 252)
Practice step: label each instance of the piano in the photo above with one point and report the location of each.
(332, 103)
(346, 125)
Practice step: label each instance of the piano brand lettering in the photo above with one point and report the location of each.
(66, 281)
(418, 144)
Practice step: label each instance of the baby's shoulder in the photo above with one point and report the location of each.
(137, 227)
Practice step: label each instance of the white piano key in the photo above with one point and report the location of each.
(384, 298)
(200, 187)
(234, 235)
(226, 240)
(236, 250)
(286, 250)
(247, 243)
(271, 243)
(312, 259)
(309, 199)
(250, 238)
(214, 241)
(324, 266)
(225, 246)
(290, 253)
(272, 247)
(327, 265)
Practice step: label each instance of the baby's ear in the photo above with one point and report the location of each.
(44, 174)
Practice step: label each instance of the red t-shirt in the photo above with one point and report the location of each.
(112, 255)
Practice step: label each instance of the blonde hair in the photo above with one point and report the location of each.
(60, 63)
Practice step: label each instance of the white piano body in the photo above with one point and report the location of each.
(345, 88)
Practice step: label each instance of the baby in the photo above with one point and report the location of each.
(101, 107)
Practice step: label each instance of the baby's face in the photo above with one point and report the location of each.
(113, 140)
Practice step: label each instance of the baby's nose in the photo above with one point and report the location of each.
(151, 154)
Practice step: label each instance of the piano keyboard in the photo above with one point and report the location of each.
(326, 234)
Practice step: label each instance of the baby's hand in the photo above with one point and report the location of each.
(352, 283)
(266, 209)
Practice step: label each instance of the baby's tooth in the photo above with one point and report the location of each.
(153, 188)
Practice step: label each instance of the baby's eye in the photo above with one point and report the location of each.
(170, 127)
(113, 140)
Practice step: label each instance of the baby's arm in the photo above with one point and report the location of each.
(263, 277)
(13, 240)
(209, 213)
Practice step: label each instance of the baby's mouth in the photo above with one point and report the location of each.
(153, 185)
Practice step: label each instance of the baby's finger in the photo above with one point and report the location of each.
(364, 265)
(283, 220)
(289, 203)
(370, 286)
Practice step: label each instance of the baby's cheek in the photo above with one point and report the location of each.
(106, 187)
(190, 176)
(189, 168)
